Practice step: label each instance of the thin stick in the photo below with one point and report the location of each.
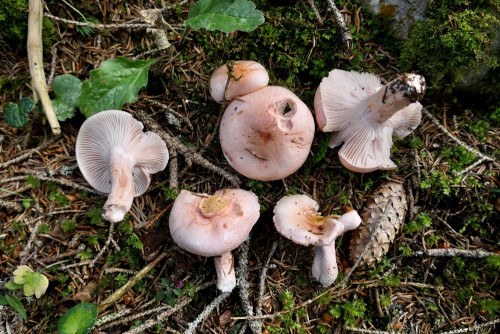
(35, 59)
(11, 205)
(262, 279)
(192, 325)
(185, 151)
(344, 31)
(99, 26)
(456, 140)
(62, 182)
(453, 252)
(316, 12)
(28, 154)
(106, 245)
(131, 282)
(29, 244)
(243, 285)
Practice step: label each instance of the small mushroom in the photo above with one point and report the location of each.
(115, 156)
(297, 218)
(245, 77)
(366, 114)
(266, 135)
(213, 226)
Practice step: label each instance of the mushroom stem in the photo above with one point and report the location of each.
(324, 268)
(121, 195)
(224, 266)
(350, 220)
(397, 94)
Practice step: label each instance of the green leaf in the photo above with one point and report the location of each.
(3, 301)
(67, 89)
(36, 284)
(78, 320)
(11, 285)
(17, 116)
(225, 15)
(16, 305)
(117, 82)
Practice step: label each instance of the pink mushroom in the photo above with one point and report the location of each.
(366, 114)
(266, 135)
(296, 217)
(115, 156)
(246, 76)
(214, 226)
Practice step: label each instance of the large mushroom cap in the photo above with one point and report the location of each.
(115, 130)
(296, 217)
(366, 114)
(213, 225)
(266, 135)
(246, 76)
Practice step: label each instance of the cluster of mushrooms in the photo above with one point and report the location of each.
(266, 133)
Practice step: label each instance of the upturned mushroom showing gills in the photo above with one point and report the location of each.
(266, 135)
(237, 78)
(296, 217)
(213, 226)
(366, 114)
(115, 156)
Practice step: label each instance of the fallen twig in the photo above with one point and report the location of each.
(131, 282)
(106, 245)
(453, 252)
(11, 205)
(188, 153)
(192, 325)
(243, 285)
(344, 31)
(459, 142)
(35, 59)
(28, 154)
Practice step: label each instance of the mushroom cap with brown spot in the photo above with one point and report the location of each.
(246, 76)
(218, 233)
(266, 135)
(292, 220)
(112, 130)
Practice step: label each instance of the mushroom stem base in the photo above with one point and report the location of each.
(324, 268)
(224, 266)
(121, 195)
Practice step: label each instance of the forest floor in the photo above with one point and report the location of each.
(50, 216)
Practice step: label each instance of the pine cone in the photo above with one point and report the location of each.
(388, 206)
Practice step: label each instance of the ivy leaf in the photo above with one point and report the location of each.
(36, 284)
(225, 15)
(17, 116)
(67, 90)
(16, 305)
(33, 283)
(78, 320)
(117, 82)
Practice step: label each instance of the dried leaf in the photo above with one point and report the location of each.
(225, 318)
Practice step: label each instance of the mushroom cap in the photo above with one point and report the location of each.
(218, 234)
(266, 135)
(246, 77)
(341, 105)
(111, 130)
(291, 220)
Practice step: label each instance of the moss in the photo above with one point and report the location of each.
(455, 40)
(14, 25)
(14, 21)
